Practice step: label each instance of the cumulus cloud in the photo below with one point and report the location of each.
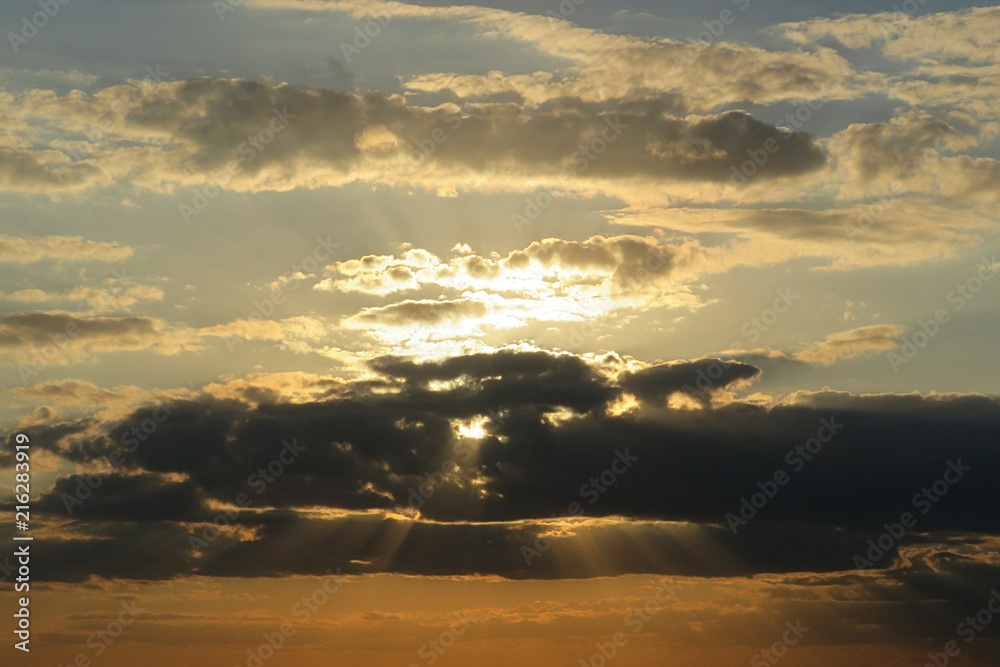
(895, 149)
(912, 154)
(552, 280)
(620, 264)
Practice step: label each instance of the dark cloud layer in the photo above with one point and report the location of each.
(60, 337)
(552, 439)
(368, 543)
(215, 117)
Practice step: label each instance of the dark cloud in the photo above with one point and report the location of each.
(215, 117)
(491, 382)
(20, 330)
(151, 550)
(505, 364)
(371, 544)
(56, 337)
(408, 313)
(552, 439)
(116, 497)
(695, 378)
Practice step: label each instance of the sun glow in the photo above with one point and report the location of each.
(473, 429)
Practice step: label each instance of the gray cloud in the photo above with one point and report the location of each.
(550, 428)
(247, 134)
(61, 337)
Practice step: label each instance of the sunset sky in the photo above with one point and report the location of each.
(567, 332)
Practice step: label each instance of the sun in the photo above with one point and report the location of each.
(473, 429)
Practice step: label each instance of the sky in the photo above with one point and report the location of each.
(567, 332)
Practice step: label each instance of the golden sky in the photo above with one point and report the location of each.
(570, 332)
